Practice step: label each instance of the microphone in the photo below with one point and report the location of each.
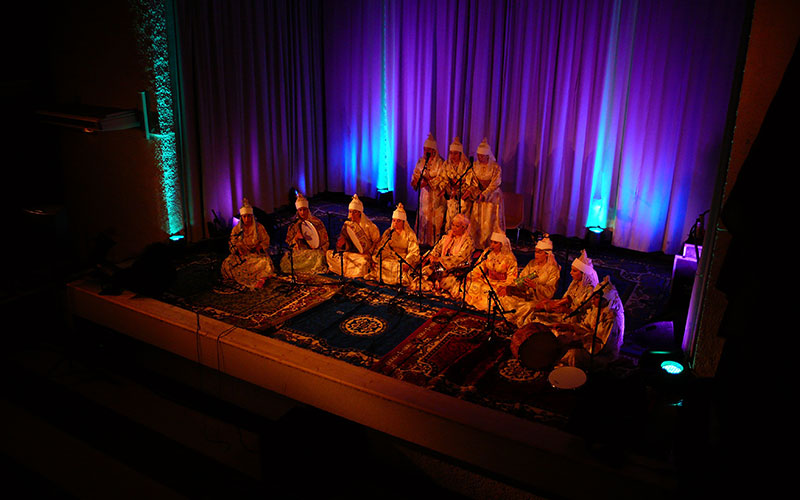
(427, 157)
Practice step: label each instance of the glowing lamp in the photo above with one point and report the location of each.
(672, 367)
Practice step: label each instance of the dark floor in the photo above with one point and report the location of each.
(88, 413)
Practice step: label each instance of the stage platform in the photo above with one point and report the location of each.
(531, 454)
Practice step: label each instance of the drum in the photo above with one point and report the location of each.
(567, 377)
(310, 234)
(536, 347)
(356, 235)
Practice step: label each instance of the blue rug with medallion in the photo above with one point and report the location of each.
(360, 324)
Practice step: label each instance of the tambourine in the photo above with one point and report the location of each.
(310, 234)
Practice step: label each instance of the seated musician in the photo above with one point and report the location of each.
(578, 332)
(537, 281)
(355, 244)
(249, 263)
(308, 241)
(497, 270)
(398, 242)
(451, 253)
(584, 279)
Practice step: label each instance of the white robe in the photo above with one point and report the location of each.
(430, 213)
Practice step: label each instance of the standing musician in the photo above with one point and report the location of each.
(431, 185)
(450, 254)
(249, 263)
(460, 187)
(356, 243)
(399, 241)
(487, 210)
(308, 241)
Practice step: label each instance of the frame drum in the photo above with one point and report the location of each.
(310, 234)
(567, 377)
(536, 347)
(356, 235)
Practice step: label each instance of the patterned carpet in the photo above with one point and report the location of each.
(420, 340)
(199, 288)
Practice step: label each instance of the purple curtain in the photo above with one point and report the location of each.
(606, 113)
(254, 116)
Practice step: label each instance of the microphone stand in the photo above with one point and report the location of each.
(578, 308)
(341, 265)
(401, 261)
(594, 335)
(494, 305)
(380, 255)
(460, 182)
(291, 264)
(418, 270)
(597, 319)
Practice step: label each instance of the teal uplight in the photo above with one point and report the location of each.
(385, 181)
(154, 43)
(605, 143)
(672, 367)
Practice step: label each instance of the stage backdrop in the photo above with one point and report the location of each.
(604, 113)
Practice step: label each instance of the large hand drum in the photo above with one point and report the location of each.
(536, 347)
(310, 234)
(356, 235)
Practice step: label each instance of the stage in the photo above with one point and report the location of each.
(409, 376)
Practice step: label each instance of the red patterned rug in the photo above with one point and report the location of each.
(455, 355)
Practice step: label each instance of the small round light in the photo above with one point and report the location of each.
(672, 367)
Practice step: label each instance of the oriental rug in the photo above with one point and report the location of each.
(200, 288)
(463, 356)
(359, 324)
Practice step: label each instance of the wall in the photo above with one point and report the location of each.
(773, 37)
(69, 53)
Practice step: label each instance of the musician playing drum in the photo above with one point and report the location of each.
(399, 241)
(308, 241)
(356, 243)
(249, 263)
(451, 252)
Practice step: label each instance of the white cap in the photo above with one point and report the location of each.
(355, 204)
(545, 244)
(583, 263)
(300, 202)
(456, 145)
(499, 237)
(430, 142)
(246, 207)
(483, 148)
(400, 213)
